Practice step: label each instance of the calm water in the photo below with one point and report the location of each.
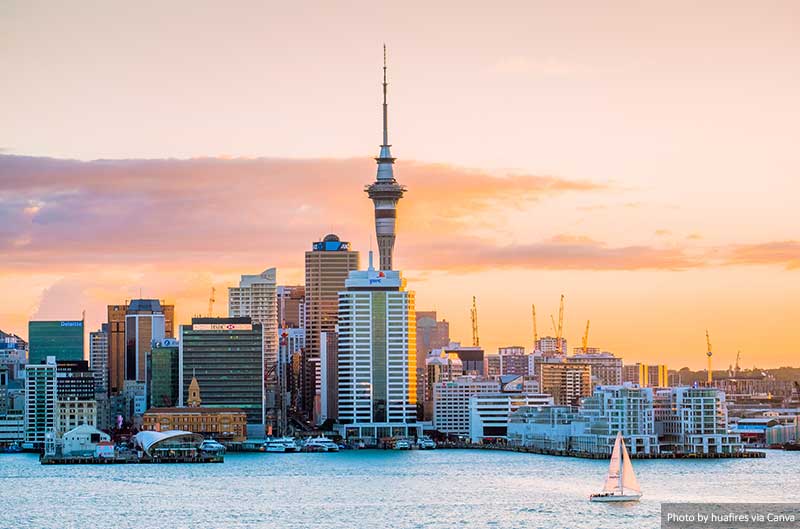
(372, 489)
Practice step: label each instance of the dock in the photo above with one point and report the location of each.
(749, 454)
(76, 460)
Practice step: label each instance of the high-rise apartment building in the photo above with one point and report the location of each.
(226, 356)
(60, 339)
(327, 266)
(513, 360)
(377, 356)
(40, 400)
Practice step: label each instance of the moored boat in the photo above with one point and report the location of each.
(621, 483)
(320, 444)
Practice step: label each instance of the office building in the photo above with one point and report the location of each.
(472, 358)
(327, 266)
(290, 353)
(98, 358)
(431, 334)
(13, 354)
(221, 424)
(441, 367)
(226, 357)
(62, 340)
(491, 366)
(385, 192)
(567, 383)
(163, 374)
(513, 360)
(132, 327)
(606, 368)
(75, 396)
(291, 306)
(329, 377)
(377, 357)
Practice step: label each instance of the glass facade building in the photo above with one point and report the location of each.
(163, 372)
(226, 356)
(60, 339)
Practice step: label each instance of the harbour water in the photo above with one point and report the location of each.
(440, 489)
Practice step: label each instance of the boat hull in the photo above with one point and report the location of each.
(614, 498)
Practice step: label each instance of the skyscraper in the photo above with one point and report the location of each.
(377, 357)
(327, 266)
(60, 339)
(226, 356)
(291, 306)
(256, 297)
(98, 358)
(385, 191)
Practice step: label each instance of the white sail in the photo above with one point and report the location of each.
(613, 479)
(629, 480)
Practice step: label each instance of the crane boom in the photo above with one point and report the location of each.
(738, 357)
(560, 332)
(535, 333)
(476, 341)
(211, 301)
(586, 338)
(708, 349)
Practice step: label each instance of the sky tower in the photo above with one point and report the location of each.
(385, 191)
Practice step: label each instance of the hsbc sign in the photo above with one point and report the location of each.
(222, 327)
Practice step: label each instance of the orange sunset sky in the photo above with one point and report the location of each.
(641, 158)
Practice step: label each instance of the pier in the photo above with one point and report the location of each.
(133, 459)
(749, 454)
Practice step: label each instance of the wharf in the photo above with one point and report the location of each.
(74, 460)
(750, 454)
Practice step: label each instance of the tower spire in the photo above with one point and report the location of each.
(385, 106)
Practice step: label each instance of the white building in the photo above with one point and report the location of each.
(621, 408)
(694, 420)
(83, 440)
(98, 358)
(257, 297)
(489, 412)
(451, 399)
(377, 369)
(40, 400)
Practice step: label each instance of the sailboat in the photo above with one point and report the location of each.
(621, 483)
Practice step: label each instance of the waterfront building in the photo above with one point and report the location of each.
(291, 306)
(622, 408)
(377, 356)
(327, 266)
(219, 423)
(163, 373)
(40, 400)
(546, 427)
(513, 360)
(329, 377)
(98, 358)
(451, 411)
(489, 412)
(226, 356)
(568, 383)
(83, 440)
(62, 340)
(694, 420)
(653, 376)
(385, 191)
(606, 368)
(12, 427)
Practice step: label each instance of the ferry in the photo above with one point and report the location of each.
(401, 444)
(210, 446)
(281, 445)
(320, 444)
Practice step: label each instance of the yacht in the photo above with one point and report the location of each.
(320, 444)
(275, 446)
(212, 447)
(621, 483)
(426, 443)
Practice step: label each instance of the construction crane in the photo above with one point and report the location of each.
(476, 341)
(586, 338)
(738, 357)
(211, 301)
(708, 344)
(535, 333)
(560, 331)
